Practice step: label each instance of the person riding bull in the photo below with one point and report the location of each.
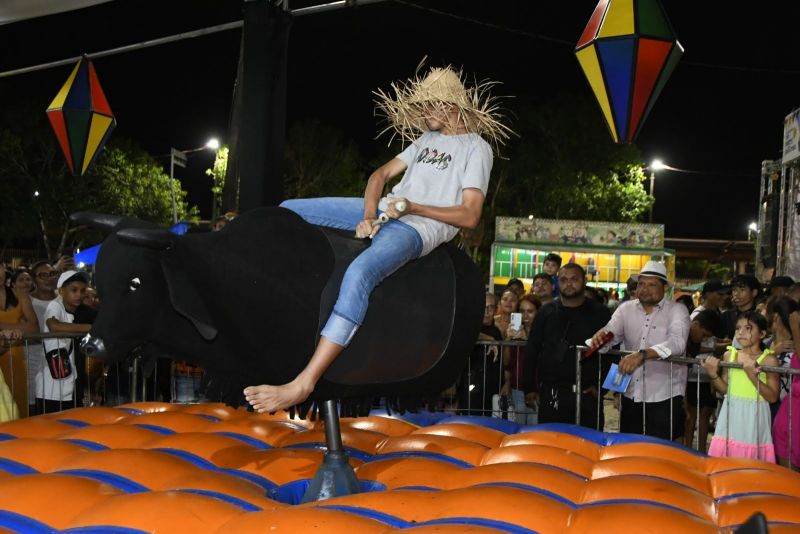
(447, 170)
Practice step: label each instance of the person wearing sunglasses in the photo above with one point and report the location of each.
(45, 277)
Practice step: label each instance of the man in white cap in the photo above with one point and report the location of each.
(451, 130)
(656, 328)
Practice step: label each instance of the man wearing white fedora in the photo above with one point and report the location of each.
(655, 328)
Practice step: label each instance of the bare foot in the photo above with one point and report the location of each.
(268, 399)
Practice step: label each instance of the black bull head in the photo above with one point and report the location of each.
(247, 305)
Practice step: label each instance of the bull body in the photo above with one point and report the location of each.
(247, 305)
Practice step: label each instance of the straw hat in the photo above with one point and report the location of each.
(436, 94)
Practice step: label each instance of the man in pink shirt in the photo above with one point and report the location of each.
(654, 328)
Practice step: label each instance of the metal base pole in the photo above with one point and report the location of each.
(335, 477)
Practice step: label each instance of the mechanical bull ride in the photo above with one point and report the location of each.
(247, 305)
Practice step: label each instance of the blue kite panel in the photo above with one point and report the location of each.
(79, 95)
(617, 59)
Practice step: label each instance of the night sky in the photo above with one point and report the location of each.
(720, 114)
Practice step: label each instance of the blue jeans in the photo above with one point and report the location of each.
(395, 245)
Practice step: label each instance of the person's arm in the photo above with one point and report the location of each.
(771, 390)
(717, 375)
(70, 328)
(64, 263)
(615, 325)
(373, 192)
(30, 324)
(794, 326)
(465, 215)
(677, 335)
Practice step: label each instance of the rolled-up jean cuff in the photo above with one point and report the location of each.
(339, 330)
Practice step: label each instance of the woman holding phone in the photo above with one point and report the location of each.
(514, 357)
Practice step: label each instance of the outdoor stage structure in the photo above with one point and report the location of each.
(778, 232)
(609, 251)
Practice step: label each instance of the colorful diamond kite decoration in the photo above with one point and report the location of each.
(81, 117)
(627, 52)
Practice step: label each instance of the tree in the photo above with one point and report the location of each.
(565, 165)
(320, 162)
(562, 164)
(40, 193)
(217, 174)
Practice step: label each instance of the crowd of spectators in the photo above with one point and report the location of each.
(740, 321)
(48, 375)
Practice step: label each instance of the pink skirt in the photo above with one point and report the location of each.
(720, 447)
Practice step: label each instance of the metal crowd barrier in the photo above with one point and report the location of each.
(476, 379)
(105, 384)
(128, 383)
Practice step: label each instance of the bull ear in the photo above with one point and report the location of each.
(155, 238)
(186, 300)
(101, 221)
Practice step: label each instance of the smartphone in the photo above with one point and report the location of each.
(516, 321)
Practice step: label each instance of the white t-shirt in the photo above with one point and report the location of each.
(46, 386)
(440, 167)
(34, 352)
(696, 312)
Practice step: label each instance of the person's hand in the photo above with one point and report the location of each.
(711, 365)
(513, 333)
(391, 207)
(366, 229)
(505, 389)
(65, 263)
(591, 390)
(532, 399)
(629, 363)
(750, 367)
(783, 345)
(14, 334)
(597, 338)
(8, 337)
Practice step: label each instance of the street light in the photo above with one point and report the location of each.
(656, 165)
(178, 157)
(752, 228)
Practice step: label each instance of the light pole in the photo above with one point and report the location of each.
(752, 228)
(656, 165)
(178, 157)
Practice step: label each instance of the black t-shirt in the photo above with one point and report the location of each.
(84, 314)
(492, 330)
(556, 331)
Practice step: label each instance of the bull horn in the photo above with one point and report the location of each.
(158, 239)
(101, 221)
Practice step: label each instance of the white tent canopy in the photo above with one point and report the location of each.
(15, 10)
